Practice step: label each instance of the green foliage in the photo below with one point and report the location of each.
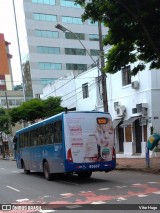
(4, 121)
(134, 32)
(52, 106)
(36, 109)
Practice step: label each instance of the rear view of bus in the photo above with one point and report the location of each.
(89, 143)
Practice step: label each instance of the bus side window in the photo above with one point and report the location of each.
(58, 132)
(47, 133)
(42, 136)
(31, 138)
(51, 133)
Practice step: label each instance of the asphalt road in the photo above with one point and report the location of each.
(32, 192)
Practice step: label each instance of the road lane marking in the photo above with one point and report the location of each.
(15, 172)
(121, 198)
(67, 194)
(142, 195)
(136, 184)
(22, 200)
(152, 182)
(46, 211)
(47, 196)
(85, 191)
(121, 186)
(158, 192)
(98, 202)
(13, 188)
(103, 189)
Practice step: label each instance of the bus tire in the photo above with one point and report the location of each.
(46, 171)
(84, 174)
(26, 171)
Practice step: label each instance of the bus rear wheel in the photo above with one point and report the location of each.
(84, 174)
(46, 171)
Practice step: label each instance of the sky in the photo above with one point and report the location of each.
(8, 28)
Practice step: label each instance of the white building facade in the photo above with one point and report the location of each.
(132, 100)
(50, 52)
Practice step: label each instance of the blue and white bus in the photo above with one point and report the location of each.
(70, 142)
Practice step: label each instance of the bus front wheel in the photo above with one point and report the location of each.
(46, 171)
(26, 171)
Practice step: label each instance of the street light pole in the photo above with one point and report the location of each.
(103, 76)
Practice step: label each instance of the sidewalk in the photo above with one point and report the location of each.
(139, 164)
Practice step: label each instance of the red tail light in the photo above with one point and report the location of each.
(69, 156)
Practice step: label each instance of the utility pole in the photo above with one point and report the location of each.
(103, 75)
(19, 52)
(10, 125)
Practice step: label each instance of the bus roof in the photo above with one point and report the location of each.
(54, 117)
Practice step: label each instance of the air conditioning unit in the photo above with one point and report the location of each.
(120, 110)
(134, 110)
(116, 104)
(142, 108)
(135, 85)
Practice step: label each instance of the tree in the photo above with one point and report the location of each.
(28, 111)
(134, 33)
(36, 109)
(4, 127)
(52, 106)
(4, 121)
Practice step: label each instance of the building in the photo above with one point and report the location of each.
(49, 52)
(133, 103)
(9, 98)
(6, 80)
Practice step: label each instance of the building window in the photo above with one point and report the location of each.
(73, 51)
(95, 52)
(69, 3)
(49, 66)
(126, 76)
(46, 34)
(71, 20)
(76, 36)
(93, 37)
(48, 50)
(85, 90)
(12, 102)
(50, 2)
(45, 81)
(76, 66)
(93, 23)
(44, 17)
